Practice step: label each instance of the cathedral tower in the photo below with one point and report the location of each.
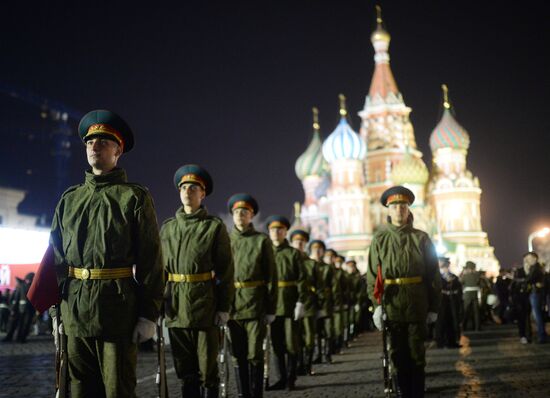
(455, 194)
(313, 170)
(385, 127)
(350, 230)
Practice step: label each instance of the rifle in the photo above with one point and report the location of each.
(223, 358)
(386, 365)
(61, 360)
(160, 378)
(265, 347)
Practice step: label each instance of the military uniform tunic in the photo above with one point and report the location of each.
(313, 284)
(196, 243)
(254, 265)
(355, 299)
(338, 292)
(292, 288)
(106, 223)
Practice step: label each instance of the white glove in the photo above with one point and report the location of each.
(356, 307)
(269, 318)
(432, 317)
(221, 318)
(377, 317)
(299, 311)
(56, 331)
(144, 330)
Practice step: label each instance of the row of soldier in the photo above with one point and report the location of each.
(117, 273)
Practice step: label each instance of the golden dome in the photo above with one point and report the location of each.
(380, 35)
(410, 170)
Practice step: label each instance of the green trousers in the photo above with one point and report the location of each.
(195, 353)
(284, 336)
(308, 332)
(247, 337)
(324, 327)
(345, 319)
(338, 323)
(471, 311)
(354, 316)
(407, 349)
(102, 368)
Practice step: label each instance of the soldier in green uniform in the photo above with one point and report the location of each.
(343, 338)
(471, 282)
(200, 290)
(317, 250)
(290, 302)
(338, 287)
(356, 296)
(407, 262)
(255, 296)
(298, 240)
(109, 266)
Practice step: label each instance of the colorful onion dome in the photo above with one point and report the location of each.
(343, 142)
(410, 170)
(448, 133)
(380, 34)
(311, 162)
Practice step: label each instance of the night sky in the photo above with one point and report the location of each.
(230, 85)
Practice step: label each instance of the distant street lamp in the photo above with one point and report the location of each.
(537, 234)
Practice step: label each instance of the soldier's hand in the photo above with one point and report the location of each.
(299, 311)
(144, 330)
(356, 307)
(431, 318)
(377, 317)
(221, 318)
(269, 318)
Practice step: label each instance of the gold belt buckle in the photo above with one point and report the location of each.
(85, 274)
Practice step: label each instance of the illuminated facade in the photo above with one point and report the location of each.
(344, 176)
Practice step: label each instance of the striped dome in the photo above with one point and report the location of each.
(410, 170)
(449, 134)
(311, 162)
(344, 143)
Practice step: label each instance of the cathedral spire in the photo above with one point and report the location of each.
(448, 133)
(343, 110)
(446, 103)
(316, 126)
(382, 82)
(311, 162)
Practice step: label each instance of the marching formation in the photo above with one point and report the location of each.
(253, 291)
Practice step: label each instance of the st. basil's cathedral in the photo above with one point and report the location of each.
(344, 176)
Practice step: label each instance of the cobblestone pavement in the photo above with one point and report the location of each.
(491, 363)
